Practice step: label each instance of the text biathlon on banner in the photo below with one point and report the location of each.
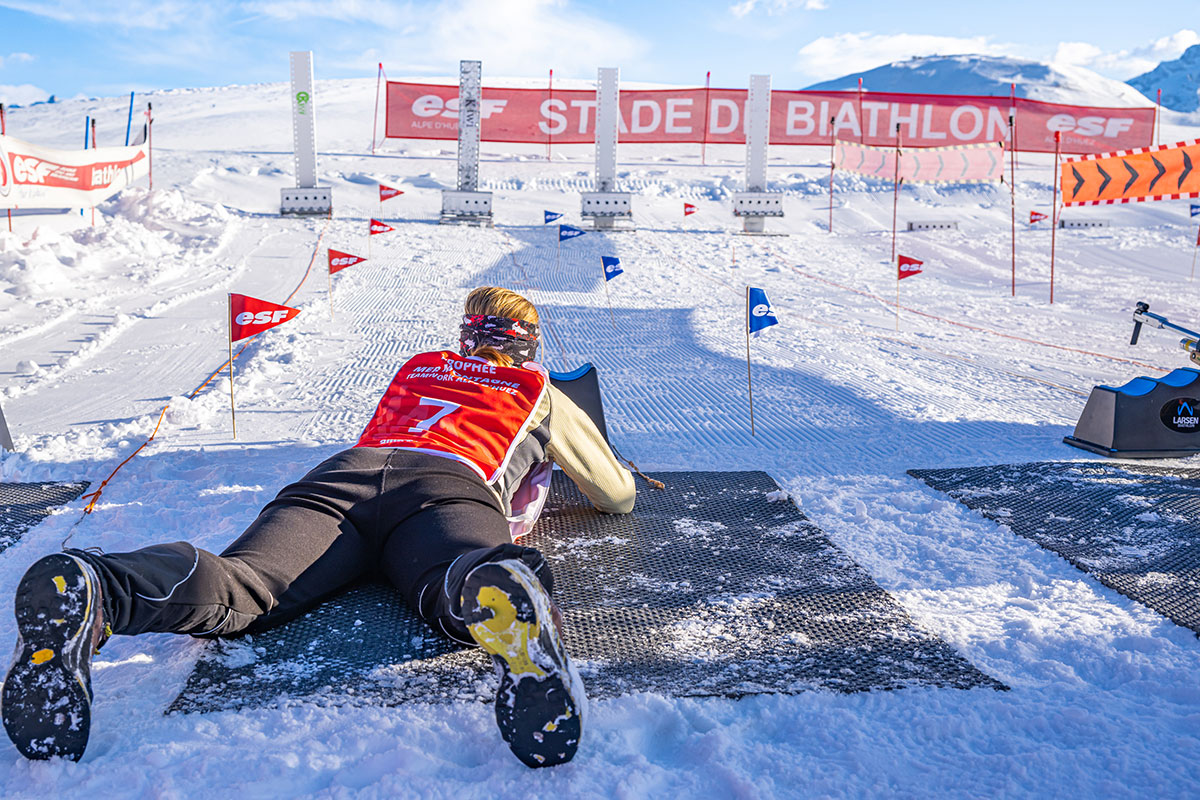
(41, 177)
(430, 111)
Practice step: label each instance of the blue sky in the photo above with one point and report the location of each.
(108, 47)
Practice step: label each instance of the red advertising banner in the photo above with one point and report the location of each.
(430, 111)
(32, 176)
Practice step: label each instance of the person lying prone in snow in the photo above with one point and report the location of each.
(452, 468)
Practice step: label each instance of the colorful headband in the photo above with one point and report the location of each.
(515, 338)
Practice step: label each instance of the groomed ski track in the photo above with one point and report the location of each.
(1103, 699)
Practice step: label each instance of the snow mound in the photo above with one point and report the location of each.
(993, 75)
(1178, 79)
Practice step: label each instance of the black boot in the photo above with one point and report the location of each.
(47, 698)
(540, 702)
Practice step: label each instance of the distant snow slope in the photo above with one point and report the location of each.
(1178, 79)
(993, 75)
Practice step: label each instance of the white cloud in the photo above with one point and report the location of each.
(520, 37)
(831, 56)
(20, 58)
(23, 95)
(773, 7)
(1125, 64)
(151, 14)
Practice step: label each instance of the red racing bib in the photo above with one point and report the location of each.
(467, 409)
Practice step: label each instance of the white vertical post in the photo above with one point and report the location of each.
(307, 197)
(758, 132)
(304, 128)
(469, 102)
(758, 135)
(607, 123)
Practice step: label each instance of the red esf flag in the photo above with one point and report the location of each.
(387, 192)
(249, 316)
(1036, 216)
(688, 209)
(380, 227)
(907, 267)
(339, 260)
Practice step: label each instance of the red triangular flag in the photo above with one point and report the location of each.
(1036, 216)
(387, 192)
(339, 261)
(249, 316)
(905, 261)
(688, 208)
(380, 227)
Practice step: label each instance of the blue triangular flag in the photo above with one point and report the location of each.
(1195, 209)
(569, 232)
(551, 216)
(612, 267)
(760, 315)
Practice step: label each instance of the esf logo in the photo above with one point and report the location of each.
(430, 105)
(30, 170)
(761, 310)
(1107, 127)
(1182, 415)
(261, 317)
(348, 261)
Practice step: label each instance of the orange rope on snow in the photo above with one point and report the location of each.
(95, 496)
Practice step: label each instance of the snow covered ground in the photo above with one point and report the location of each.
(101, 327)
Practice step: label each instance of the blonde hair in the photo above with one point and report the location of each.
(497, 302)
(489, 353)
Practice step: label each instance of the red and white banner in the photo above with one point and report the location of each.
(387, 192)
(249, 316)
(380, 227)
(338, 260)
(688, 209)
(718, 116)
(970, 163)
(39, 177)
(906, 267)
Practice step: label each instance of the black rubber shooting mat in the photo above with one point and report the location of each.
(707, 588)
(23, 505)
(1135, 528)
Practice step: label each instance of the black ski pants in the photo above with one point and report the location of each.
(421, 522)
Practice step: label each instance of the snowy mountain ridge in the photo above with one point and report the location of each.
(1178, 79)
(992, 75)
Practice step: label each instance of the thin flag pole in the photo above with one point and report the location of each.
(897, 297)
(832, 147)
(704, 133)
(895, 192)
(330, 294)
(375, 119)
(1054, 214)
(93, 147)
(87, 132)
(608, 296)
(749, 383)
(1012, 186)
(558, 250)
(129, 121)
(1158, 118)
(150, 142)
(862, 129)
(1012, 99)
(232, 413)
(549, 130)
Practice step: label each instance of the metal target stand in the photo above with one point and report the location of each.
(307, 198)
(606, 208)
(756, 204)
(467, 205)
